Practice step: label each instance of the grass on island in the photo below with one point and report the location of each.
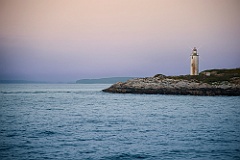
(214, 76)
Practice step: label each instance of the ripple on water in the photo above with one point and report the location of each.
(81, 122)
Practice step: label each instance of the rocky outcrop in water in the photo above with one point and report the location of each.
(180, 85)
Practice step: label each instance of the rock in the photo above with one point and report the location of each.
(159, 76)
(161, 84)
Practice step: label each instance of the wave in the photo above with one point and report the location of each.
(41, 92)
(47, 132)
(128, 156)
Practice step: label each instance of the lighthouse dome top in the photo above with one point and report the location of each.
(194, 52)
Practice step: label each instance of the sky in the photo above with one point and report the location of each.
(67, 40)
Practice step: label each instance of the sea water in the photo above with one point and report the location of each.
(76, 121)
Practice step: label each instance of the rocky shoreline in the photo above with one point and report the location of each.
(177, 85)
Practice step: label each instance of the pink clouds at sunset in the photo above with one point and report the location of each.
(70, 39)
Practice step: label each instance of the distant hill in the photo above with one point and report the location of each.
(104, 80)
(16, 81)
(21, 82)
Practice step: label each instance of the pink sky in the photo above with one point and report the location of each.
(66, 40)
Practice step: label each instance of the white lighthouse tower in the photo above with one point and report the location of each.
(194, 62)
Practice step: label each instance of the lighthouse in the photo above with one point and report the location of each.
(194, 62)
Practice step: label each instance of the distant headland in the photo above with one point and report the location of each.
(110, 80)
(208, 83)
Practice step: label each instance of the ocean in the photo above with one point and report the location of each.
(79, 121)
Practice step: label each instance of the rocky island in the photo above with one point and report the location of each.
(208, 83)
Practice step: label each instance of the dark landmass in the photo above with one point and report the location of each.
(19, 82)
(209, 83)
(31, 82)
(104, 80)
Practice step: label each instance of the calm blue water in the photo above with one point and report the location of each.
(73, 121)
